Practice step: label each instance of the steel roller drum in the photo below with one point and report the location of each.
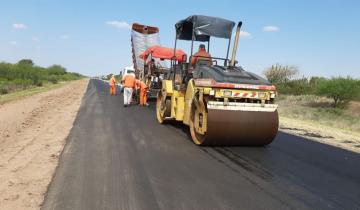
(240, 128)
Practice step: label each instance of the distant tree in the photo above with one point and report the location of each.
(27, 62)
(56, 70)
(108, 77)
(279, 74)
(340, 89)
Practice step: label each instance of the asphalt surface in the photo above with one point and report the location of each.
(121, 158)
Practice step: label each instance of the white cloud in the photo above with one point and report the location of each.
(64, 36)
(35, 39)
(245, 34)
(13, 42)
(19, 26)
(118, 24)
(271, 29)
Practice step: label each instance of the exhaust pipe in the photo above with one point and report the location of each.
(236, 41)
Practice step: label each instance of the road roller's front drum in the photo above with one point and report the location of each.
(237, 128)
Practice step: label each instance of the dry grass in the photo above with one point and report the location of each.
(318, 110)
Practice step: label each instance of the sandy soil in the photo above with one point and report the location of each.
(32, 135)
(336, 137)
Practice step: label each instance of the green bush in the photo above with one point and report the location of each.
(296, 87)
(53, 79)
(357, 95)
(4, 90)
(21, 84)
(340, 89)
(68, 77)
(38, 83)
(25, 74)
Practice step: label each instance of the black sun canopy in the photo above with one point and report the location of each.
(204, 27)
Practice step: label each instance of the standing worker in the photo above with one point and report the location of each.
(112, 85)
(143, 92)
(129, 83)
(151, 66)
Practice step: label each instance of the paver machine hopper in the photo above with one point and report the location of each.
(223, 104)
(142, 37)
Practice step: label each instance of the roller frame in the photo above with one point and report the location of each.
(236, 106)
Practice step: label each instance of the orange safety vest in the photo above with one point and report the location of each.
(129, 81)
(112, 81)
(204, 56)
(142, 85)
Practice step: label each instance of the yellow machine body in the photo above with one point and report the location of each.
(222, 116)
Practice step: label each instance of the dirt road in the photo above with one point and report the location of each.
(32, 135)
(121, 158)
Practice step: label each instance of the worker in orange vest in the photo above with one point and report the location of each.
(112, 85)
(129, 84)
(200, 55)
(143, 92)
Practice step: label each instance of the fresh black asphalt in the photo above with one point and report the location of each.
(121, 158)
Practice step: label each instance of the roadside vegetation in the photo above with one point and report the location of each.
(26, 75)
(331, 102)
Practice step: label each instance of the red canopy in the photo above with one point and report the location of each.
(163, 53)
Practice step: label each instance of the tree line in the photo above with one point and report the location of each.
(340, 89)
(25, 74)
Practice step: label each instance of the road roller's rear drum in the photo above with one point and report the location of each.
(235, 128)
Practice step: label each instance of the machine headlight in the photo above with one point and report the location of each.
(227, 93)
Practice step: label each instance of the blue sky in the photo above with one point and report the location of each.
(321, 37)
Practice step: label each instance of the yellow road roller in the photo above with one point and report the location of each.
(223, 104)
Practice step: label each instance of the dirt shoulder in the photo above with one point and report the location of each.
(32, 135)
(314, 118)
(328, 135)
